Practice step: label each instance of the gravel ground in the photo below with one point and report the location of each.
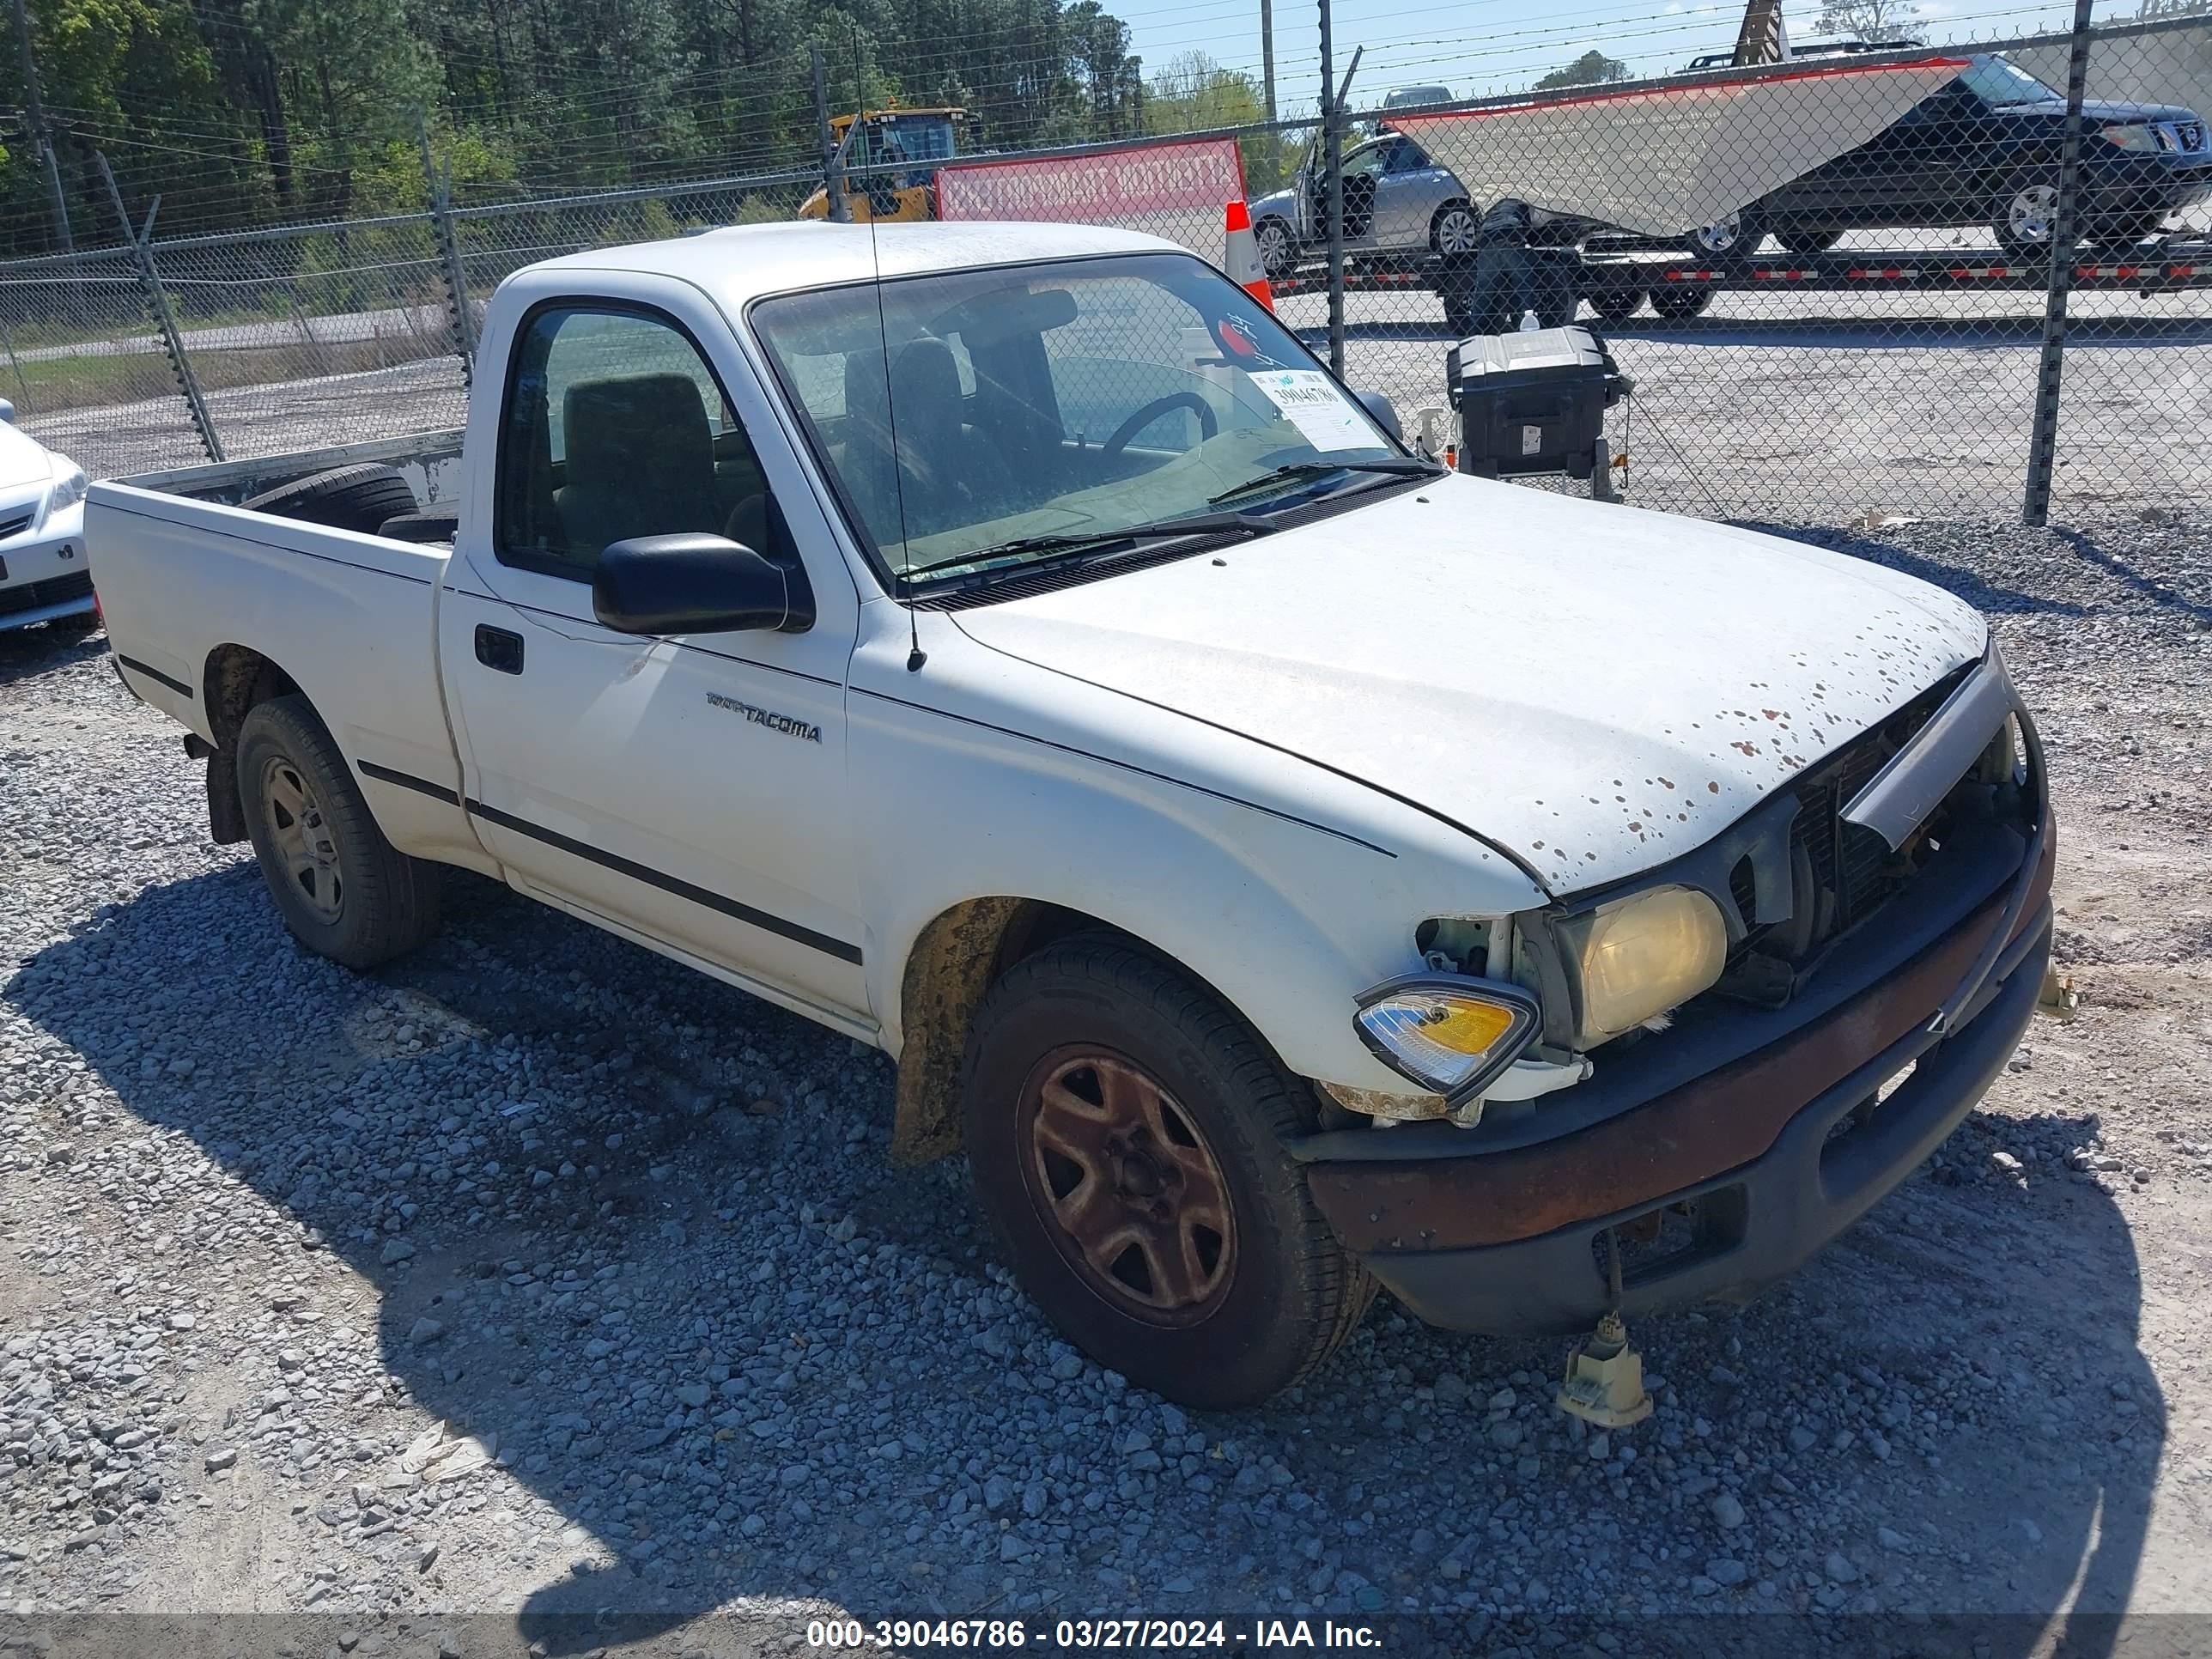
(537, 1290)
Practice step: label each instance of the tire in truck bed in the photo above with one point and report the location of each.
(359, 497)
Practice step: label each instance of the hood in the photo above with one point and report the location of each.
(1595, 688)
(1283, 202)
(24, 460)
(2095, 114)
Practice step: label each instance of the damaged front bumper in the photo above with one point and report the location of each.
(1737, 1150)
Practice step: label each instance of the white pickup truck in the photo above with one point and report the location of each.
(1282, 865)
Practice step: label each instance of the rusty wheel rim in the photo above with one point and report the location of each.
(1126, 1184)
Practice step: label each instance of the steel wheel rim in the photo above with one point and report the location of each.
(1122, 1179)
(303, 838)
(1722, 234)
(1455, 232)
(2032, 212)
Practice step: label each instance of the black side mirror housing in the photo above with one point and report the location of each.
(1384, 411)
(695, 583)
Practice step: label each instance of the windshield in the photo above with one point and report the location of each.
(1051, 402)
(1998, 83)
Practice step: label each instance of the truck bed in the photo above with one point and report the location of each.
(202, 596)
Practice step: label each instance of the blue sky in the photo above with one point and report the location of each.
(1479, 46)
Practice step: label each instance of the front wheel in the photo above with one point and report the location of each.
(1453, 229)
(345, 891)
(1279, 248)
(1126, 1131)
(1726, 241)
(2025, 218)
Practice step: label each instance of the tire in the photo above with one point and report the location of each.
(1453, 230)
(345, 891)
(1679, 303)
(2121, 234)
(1616, 305)
(1808, 241)
(1726, 242)
(2022, 218)
(1190, 1116)
(1279, 247)
(345, 498)
(76, 626)
(429, 524)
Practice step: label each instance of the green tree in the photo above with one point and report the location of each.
(1592, 69)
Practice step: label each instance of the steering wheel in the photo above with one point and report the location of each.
(1209, 422)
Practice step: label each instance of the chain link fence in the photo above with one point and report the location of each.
(1866, 323)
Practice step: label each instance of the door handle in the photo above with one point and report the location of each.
(499, 650)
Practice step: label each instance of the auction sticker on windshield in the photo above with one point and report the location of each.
(1311, 402)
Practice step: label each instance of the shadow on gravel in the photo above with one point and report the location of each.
(2157, 593)
(1956, 579)
(26, 651)
(719, 1395)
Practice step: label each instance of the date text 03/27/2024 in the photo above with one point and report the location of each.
(1127, 1635)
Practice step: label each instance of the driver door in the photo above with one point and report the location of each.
(687, 791)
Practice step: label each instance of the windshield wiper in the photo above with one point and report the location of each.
(1198, 524)
(1290, 472)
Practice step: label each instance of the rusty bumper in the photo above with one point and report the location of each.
(1737, 1176)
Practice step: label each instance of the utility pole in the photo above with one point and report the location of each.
(833, 157)
(1267, 51)
(1331, 192)
(35, 111)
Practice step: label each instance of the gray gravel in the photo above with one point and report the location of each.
(537, 1276)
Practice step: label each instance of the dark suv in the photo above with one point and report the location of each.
(1984, 149)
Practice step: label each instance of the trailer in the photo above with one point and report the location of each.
(1617, 283)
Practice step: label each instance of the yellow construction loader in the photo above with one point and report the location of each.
(890, 162)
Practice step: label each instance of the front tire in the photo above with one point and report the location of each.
(345, 891)
(1126, 1131)
(1728, 241)
(1452, 232)
(2024, 219)
(1279, 248)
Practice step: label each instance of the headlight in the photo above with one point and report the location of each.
(68, 491)
(2131, 136)
(1639, 956)
(1451, 1035)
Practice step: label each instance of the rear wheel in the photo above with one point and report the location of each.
(1126, 1131)
(345, 891)
(1687, 300)
(1616, 305)
(1798, 240)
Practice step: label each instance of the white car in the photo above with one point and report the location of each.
(43, 574)
(1283, 864)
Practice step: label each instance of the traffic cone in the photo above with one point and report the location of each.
(1242, 262)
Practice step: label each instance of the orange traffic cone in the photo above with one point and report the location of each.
(1242, 262)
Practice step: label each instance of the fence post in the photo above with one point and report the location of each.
(157, 301)
(833, 164)
(2043, 438)
(1332, 194)
(449, 255)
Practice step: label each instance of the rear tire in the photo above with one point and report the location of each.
(1126, 1131)
(1452, 232)
(345, 891)
(1808, 241)
(1616, 305)
(1680, 303)
(345, 498)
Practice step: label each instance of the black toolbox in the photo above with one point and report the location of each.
(1533, 401)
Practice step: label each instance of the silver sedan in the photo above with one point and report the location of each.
(1396, 201)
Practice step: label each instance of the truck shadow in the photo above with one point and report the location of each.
(727, 1354)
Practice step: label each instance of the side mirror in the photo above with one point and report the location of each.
(1384, 411)
(693, 583)
(7, 411)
